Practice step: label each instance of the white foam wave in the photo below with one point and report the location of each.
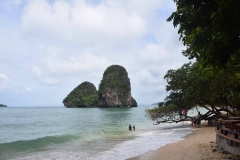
(143, 143)
(130, 148)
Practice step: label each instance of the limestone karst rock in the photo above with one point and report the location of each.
(115, 88)
(84, 95)
(114, 91)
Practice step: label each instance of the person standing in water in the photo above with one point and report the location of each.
(134, 127)
(195, 122)
(129, 127)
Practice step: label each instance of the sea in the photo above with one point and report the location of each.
(59, 133)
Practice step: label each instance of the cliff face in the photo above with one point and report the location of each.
(114, 91)
(115, 88)
(84, 95)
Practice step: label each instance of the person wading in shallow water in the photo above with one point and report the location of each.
(134, 127)
(193, 122)
(129, 127)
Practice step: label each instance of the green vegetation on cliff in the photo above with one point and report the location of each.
(114, 91)
(115, 77)
(84, 95)
(115, 81)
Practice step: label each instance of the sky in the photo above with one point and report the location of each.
(48, 47)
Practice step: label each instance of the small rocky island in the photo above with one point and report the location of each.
(114, 91)
(84, 95)
(2, 105)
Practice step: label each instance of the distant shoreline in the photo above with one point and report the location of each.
(2, 105)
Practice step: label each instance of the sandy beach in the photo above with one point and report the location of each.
(199, 145)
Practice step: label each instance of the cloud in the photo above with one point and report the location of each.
(56, 45)
(153, 53)
(148, 78)
(4, 81)
(55, 67)
(76, 64)
(3, 78)
(9, 5)
(28, 89)
(43, 78)
(49, 81)
(36, 71)
(82, 22)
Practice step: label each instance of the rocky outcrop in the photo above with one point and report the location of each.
(114, 91)
(115, 88)
(2, 105)
(84, 95)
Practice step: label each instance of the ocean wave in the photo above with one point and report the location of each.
(9, 149)
(141, 144)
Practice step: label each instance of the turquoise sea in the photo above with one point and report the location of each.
(58, 133)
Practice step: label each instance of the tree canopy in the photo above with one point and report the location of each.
(191, 86)
(210, 30)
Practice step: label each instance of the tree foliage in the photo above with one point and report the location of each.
(191, 86)
(210, 30)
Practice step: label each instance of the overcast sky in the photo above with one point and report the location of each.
(48, 47)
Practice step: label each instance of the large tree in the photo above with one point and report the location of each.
(210, 30)
(191, 86)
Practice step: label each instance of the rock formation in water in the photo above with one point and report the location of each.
(84, 95)
(115, 88)
(114, 91)
(2, 105)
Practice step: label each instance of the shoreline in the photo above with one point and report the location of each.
(198, 145)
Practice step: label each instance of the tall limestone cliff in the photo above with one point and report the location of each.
(84, 95)
(115, 88)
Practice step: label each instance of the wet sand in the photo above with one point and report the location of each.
(199, 145)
